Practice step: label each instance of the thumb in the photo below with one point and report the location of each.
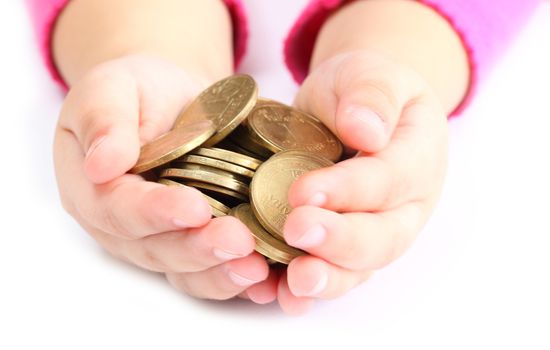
(104, 117)
(359, 96)
(113, 151)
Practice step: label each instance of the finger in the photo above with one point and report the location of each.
(192, 250)
(103, 113)
(290, 303)
(359, 96)
(312, 277)
(131, 208)
(357, 184)
(355, 241)
(127, 207)
(243, 295)
(265, 291)
(389, 178)
(120, 105)
(224, 281)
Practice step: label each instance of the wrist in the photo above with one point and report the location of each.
(142, 67)
(405, 32)
(91, 32)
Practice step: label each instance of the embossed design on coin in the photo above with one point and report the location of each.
(244, 138)
(226, 103)
(270, 185)
(172, 145)
(267, 245)
(279, 127)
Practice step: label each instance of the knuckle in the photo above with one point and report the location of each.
(112, 246)
(365, 252)
(114, 212)
(342, 172)
(371, 79)
(357, 255)
(87, 125)
(181, 283)
(191, 263)
(372, 182)
(380, 96)
(113, 224)
(222, 295)
(170, 252)
(346, 175)
(224, 292)
(401, 190)
(396, 246)
(391, 186)
(194, 288)
(68, 205)
(151, 261)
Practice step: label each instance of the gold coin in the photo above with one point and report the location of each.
(172, 145)
(271, 183)
(226, 103)
(220, 172)
(230, 145)
(223, 194)
(266, 244)
(208, 177)
(264, 100)
(279, 127)
(218, 208)
(229, 156)
(245, 139)
(168, 182)
(217, 163)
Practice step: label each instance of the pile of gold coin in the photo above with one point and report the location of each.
(243, 153)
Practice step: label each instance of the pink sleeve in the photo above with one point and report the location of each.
(44, 14)
(485, 27)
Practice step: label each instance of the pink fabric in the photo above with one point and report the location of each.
(45, 12)
(485, 27)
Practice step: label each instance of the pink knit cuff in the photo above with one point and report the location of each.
(44, 14)
(484, 26)
(486, 29)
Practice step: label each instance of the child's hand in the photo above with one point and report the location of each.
(364, 212)
(108, 114)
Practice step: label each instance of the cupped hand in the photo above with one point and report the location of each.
(107, 115)
(364, 212)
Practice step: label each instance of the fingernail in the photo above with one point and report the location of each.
(180, 223)
(95, 145)
(318, 199)
(367, 116)
(225, 255)
(319, 286)
(240, 280)
(313, 237)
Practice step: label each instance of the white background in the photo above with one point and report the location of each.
(476, 278)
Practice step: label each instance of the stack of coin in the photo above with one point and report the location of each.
(243, 154)
(219, 174)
